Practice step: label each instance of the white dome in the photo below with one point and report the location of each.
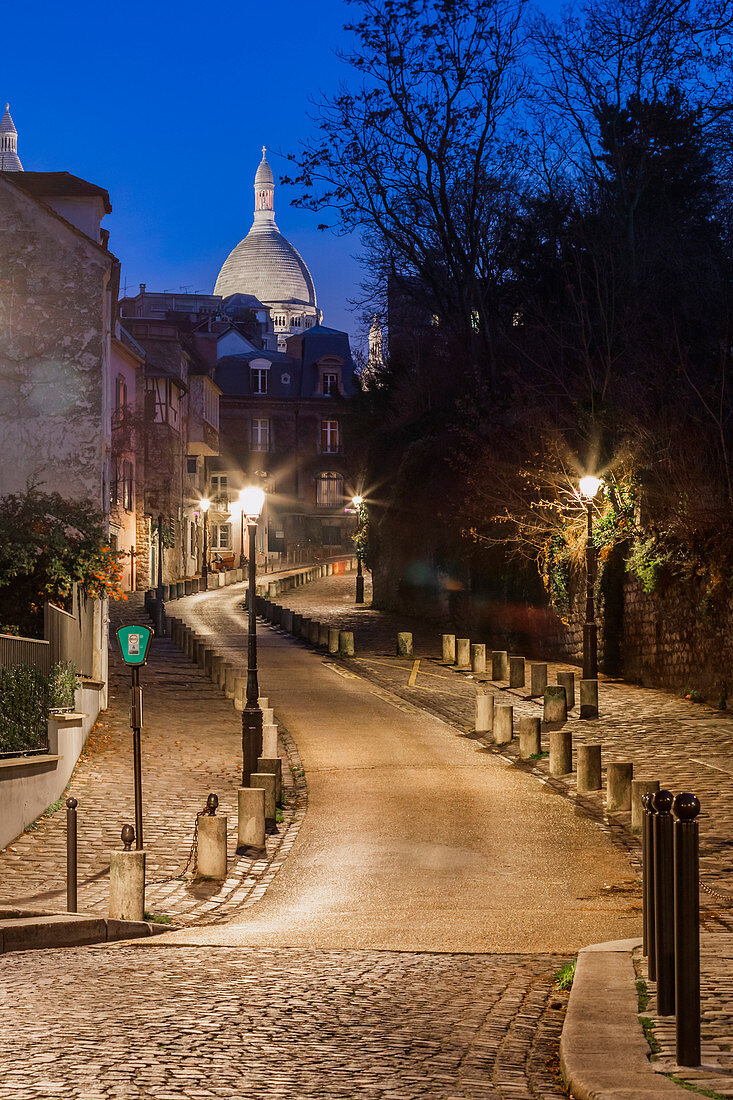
(268, 266)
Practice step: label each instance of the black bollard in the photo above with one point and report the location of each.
(663, 901)
(71, 900)
(647, 855)
(686, 807)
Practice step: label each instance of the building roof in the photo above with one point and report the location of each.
(43, 185)
(264, 263)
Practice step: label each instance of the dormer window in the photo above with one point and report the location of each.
(330, 384)
(258, 380)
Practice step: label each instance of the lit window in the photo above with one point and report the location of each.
(128, 488)
(222, 536)
(260, 435)
(329, 490)
(219, 491)
(329, 436)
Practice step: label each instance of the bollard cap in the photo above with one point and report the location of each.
(662, 801)
(128, 836)
(686, 806)
(647, 801)
(211, 804)
(71, 803)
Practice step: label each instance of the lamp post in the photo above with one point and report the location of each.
(204, 505)
(357, 502)
(241, 528)
(589, 486)
(159, 603)
(252, 501)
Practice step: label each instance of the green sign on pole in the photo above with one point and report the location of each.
(134, 643)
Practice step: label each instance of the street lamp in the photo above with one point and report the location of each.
(589, 486)
(357, 501)
(241, 528)
(204, 505)
(252, 501)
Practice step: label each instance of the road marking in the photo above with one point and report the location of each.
(340, 671)
(413, 674)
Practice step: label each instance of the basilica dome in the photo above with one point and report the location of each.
(265, 264)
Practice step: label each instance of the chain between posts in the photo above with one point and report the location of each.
(715, 893)
(192, 861)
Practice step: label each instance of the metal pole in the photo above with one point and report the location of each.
(71, 901)
(205, 562)
(664, 901)
(251, 715)
(590, 629)
(241, 539)
(160, 558)
(686, 807)
(649, 920)
(359, 580)
(136, 723)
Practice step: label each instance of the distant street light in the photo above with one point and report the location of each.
(589, 486)
(204, 505)
(252, 501)
(358, 501)
(236, 510)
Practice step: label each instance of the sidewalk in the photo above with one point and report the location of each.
(191, 746)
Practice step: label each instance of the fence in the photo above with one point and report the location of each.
(25, 651)
(71, 635)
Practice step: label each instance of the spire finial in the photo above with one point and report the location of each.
(264, 152)
(9, 160)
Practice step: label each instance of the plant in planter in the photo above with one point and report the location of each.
(63, 684)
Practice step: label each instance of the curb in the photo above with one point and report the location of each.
(603, 1052)
(34, 931)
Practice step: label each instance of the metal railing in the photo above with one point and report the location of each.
(33, 652)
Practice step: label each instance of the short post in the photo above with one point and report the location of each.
(589, 768)
(478, 658)
(561, 752)
(267, 781)
(499, 664)
(588, 698)
(530, 738)
(448, 648)
(484, 711)
(463, 653)
(555, 711)
(503, 724)
(323, 635)
(346, 643)
(315, 632)
(269, 740)
(212, 843)
(664, 901)
(648, 921)
(686, 807)
(618, 785)
(273, 765)
(640, 787)
(516, 672)
(71, 900)
(404, 644)
(333, 641)
(537, 679)
(250, 821)
(567, 680)
(127, 880)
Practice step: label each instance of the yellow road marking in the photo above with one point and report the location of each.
(413, 674)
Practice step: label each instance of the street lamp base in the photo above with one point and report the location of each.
(251, 742)
(590, 651)
(360, 589)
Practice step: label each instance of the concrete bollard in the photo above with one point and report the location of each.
(499, 664)
(640, 787)
(555, 712)
(286, 620)
(269, 740)
(333, 641)
(314, 632)
(297, 621)
(207, 656)
(220, 679)
(262, 701)
(240, 692)
(478, 657)
(305, 625)
(323, 636)
(250, 820)
(217, 663)
(530, 738)
(484, 712)
(198, 655)
(404, 644)
(268, 715)
(127, 880)
(588, 698)
(589, 768)
(567, 680)
(274, 765)
(448, 646)
(537, 679)
(463, 652)
(561, 752)
(267, 781)
(346, 643)
(212, 850)
(503, 724)
(231, 674)
(618, 785)
(516, 672)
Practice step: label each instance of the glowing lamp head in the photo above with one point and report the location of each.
(252, 501)
(357, 501)
(589, 486)
(235, 509)
(204, 505)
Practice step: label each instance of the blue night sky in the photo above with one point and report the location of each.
(167, 106)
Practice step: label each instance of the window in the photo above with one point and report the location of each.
(329, 437)
(219, 491)
(260, 438)
(258, 380)
(222, 536)
(191, 464)
(329, 490)
(192, 546)
(120, 397)
(330, 384)
(165, 399)
(128, 487)
(114, 485)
